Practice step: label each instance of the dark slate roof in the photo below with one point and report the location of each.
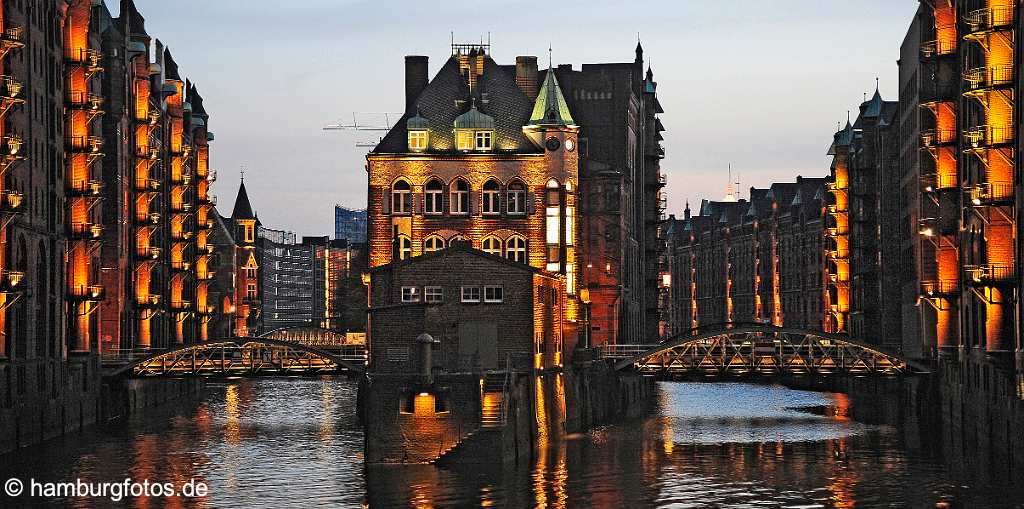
(132, 21)
(196, 101)
(243, 209)
(447, 96)
(783, 193)
(463, 248)
(170, 67)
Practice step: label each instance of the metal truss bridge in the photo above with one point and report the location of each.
(240, 356)
(749, 350)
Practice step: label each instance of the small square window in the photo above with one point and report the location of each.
(483, 140)
(433, 294)
(410, 294)
(494, 294)
(470, 294)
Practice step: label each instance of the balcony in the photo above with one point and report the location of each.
(148, 301)
(85, 144)
(837, 254)
(933, 138)
(836, 209)
(180, 306)
(11, 148)
(834, 280)
(205, 276)
(85, 231)
(89, 59)
(209, 248)
(936, 48)
(982, 78)
(11, 38)
(989, 18)
(10, 89)
(148, 253)
(991, 274)
(152, 218)
(181, 266)
(836, 231)
(154, 117)
(11, 201)
(85, 188)
(208, 200)
(940, 288)
(147, 185)
(181, 208)
(988, 194)
(10, 281)
(181, 235)
(988, 136)
(87, 293)
(85, 101)
(182, 179)
(206, 311)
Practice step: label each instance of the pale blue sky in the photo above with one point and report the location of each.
(758, 83)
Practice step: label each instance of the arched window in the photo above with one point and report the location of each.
(491, 245)
(433, 197)
(401, 199)
(433, 243)
(516, 202)
(460, 197)
(404, 247)
(515, 249)
(492, 198)
(456, 238)
(551, 195)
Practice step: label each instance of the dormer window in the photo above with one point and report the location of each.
(474, 130)
(464, 140)
(483, 140)
(417, 141)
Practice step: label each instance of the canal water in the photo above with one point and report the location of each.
(295, 443)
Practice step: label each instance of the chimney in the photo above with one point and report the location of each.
(526, 76)
(415, 80)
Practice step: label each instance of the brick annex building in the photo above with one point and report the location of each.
(557, 169)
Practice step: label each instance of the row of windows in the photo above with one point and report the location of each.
(458, 198)
(465, 139)
(514, 248)
(492, 294)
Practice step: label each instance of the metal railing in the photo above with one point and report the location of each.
(989, 76)
(936, 48)
(991, 273)
(989, 18)
(986, 135)
(80, 231)
(991, 192)
(940, 287)
(931, 138)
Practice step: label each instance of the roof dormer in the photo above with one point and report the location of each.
(474, 130)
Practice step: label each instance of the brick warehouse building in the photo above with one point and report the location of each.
(104, 203)
(741, 261)
(556, 169)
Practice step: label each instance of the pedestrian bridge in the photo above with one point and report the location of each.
(748, 350)
(241, 356)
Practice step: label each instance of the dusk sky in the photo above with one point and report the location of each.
(756, 83)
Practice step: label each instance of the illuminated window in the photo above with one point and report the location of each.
(552, 195)
(433, 294)
(401, 202)
(464, 140)
(491, 245)
(250, 272)
(417, 140)
(570, 225)
(483, 140)
(251, 291)
(433, 243)
(250, 233)
(552, 225)
(410, 294)
(433, 197)
(460, 197)
(516, 202)
(404, 247)
(494, 294)
(492, 201)
(470, 294)
(515, 249)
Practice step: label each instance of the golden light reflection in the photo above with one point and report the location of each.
(232, 427)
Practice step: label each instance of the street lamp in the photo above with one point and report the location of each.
(585, 299)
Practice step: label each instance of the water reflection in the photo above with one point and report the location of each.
(295, 443)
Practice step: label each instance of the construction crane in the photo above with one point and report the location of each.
(374, 125)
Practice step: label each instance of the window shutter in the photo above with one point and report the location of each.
(474, 203)
(531, 207)
(386, 202)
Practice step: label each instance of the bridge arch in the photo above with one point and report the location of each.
(238, 356)
(760, 349)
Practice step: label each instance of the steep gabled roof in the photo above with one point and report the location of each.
(170, 66)
(131, 20)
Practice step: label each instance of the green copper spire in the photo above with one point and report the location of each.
(550, 108)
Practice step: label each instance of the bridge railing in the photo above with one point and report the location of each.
(624, 351)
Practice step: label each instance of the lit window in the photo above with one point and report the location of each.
(515, 249)
(460, 197)
(570, 225)
(483, 140)
(249, 236)
(433, 294)
(433, 243)
(492, 194)
(433, 197)
(404, 247)
(470, 294)
(552, 196)
(417, 140)
(400, 198)
(552, 225)
(491, 245)
(464, 140)
(494, 294)
(516, 202)
(251, 291)
(410, 294)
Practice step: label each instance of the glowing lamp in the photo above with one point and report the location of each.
(976, 201)
(585, 295)
(927, 232)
